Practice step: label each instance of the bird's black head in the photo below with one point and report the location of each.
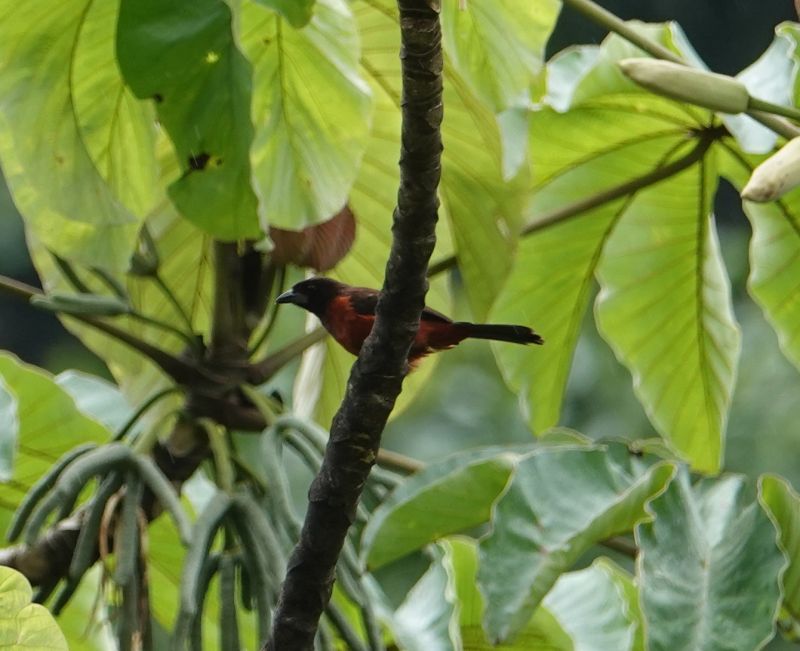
(313, 294)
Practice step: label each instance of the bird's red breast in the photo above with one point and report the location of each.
(350, 317)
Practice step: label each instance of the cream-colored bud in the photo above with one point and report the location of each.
(676, 81)
(776, 175)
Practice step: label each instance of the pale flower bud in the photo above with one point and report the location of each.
(776, 175)
(676, 81)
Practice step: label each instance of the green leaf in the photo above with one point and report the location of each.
(23, 624)
(76, 148)
(774, 253)
(665, 307)
(9, 432)
(427, 620)
(558, 504)
(184, 56)
(541, 632)
(445, 497)
(593, 609)
(773, 77)
(186, 268)
(49, 424)
(498, 46)
(86, 625)
(297, 12)
(709, 568)
(609, 134)
(95, 397)
(312, 112)
(782, 504)
(482, 210)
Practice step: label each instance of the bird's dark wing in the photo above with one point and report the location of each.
(429, 314)
(365, 300)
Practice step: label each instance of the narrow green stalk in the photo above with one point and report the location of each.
(777, 109)
(172, 366)
(166, 327)
(143, 409)
(69, 274)
(272, 363)
(170, 296)
(220, 450)
(272, 317)
(612, 23)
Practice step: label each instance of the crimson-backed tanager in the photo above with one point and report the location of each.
(348, 314)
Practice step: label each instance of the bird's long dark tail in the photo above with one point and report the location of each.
(513, 333)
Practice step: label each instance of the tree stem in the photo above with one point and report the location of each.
(376, 377)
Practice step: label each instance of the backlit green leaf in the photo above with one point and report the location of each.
(49, 424)
(311, 109)
(497, 46)
(782, 504)
(75, 146)
(665, 307)
(297, 12)
(774, 253)
(482, 209)
(24, 625)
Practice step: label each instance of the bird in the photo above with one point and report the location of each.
(348, 314)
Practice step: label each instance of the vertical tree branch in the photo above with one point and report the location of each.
(377, 376)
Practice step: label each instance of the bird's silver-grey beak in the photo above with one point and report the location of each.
(292, 296)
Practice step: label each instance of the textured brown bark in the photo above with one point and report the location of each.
(377, 376)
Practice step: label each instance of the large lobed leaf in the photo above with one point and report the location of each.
(774, 280)
(445, 497)
(665, 307)
(40, 423)
(23, 624)
(75, 146)
(665, 301)
(708, 568)
(558, 504)
(312, 111)
(184, 57)
(782, 504)
(482, 209)
(497, 46)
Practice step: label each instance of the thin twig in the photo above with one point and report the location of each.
(177, 369)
